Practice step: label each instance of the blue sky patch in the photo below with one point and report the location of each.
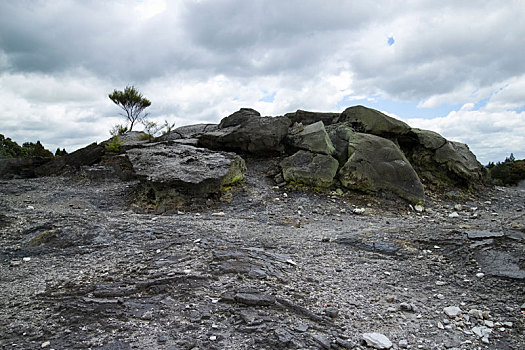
(269, 97)
(403, 109)
(390, 41)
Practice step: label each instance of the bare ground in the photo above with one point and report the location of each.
(272, 268)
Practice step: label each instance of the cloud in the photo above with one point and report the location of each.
(200, 60)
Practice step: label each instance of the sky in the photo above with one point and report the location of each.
(454, 67)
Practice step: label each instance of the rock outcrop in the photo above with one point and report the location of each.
(376, 164)
(441, 162)
(359, 149)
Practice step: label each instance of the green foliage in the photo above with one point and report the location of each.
(508, 173)
(118, 129)
(36, 150)
(114, 144)
(132, 102)
(154, 129)
(11, 149)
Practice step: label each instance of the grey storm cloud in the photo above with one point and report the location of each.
(246, 38)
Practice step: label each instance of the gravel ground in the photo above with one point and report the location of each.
(262, 268)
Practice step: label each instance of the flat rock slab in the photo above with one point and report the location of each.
(186, 168)
(500, 264)
(483, 234)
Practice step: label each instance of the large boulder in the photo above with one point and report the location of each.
(317, 170)
(255, 135)
(186, 169)
(241, 116)
(312, 138)
(306, 118)
(457, 158)
(442, 162)
(370, 121)
(376, 164)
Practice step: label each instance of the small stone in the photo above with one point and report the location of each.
(440, 296)
(331, 312)
(377, 340)
(213, 337)
(301, 328)
(440, 283)
(162, 339)
(480, 275)
(390, 298)
(254, 299)
(440, 325)
(458, 207)
(30, 207)
(453, 215)
(508, 324)
(452, 311)
(482, 331)
(419, 208)
(359, 211)
(489, 324)
(26, 259)
(407, 307)
(403, 343)
(476, 313)
(221, 213)
(45, 344)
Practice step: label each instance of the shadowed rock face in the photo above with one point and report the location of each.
(306, 118)
(442, 162)
(187, 169)
(377, 164)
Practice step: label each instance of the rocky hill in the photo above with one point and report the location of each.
(305, 231)
(359, 149)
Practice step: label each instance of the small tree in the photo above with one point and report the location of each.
(132, 102)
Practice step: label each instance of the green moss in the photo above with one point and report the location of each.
(44, 237)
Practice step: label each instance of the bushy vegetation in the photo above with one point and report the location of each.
(507, 173)
(11, 149)
(114, 144)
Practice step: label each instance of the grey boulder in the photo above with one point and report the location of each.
(186, 169)
(255, 135)
(376, 164)
(370, 121)
(306, 117)
(312, 138)
(316, 170)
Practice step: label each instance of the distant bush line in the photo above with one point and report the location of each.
(11, 149)
(508, 173)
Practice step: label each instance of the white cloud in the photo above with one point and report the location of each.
(490, 135)
(199, 61)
